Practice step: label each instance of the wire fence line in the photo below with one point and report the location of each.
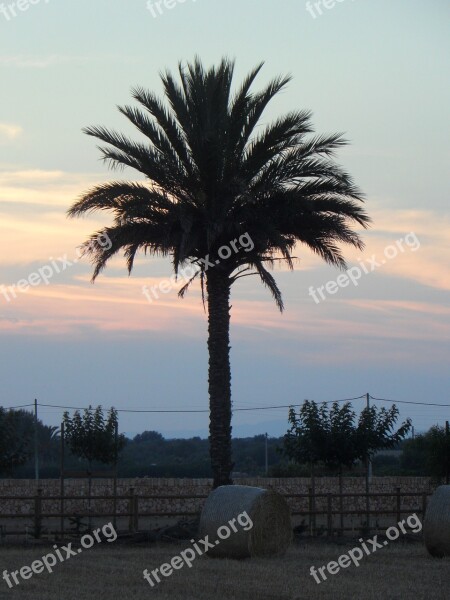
(321, 513)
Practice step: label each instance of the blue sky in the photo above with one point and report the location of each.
(375, 70)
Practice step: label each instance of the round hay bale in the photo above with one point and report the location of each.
(436, 526)
(268, 511)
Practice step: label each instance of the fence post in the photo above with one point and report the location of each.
(399, 500)
(329, 515)
(136, 514)
(424, 506)
(115, 499)
(131, 507)
(311, 515)
(38, 514)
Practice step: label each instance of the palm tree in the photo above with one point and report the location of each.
(213, 178)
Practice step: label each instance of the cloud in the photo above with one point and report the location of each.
(39, 62)
(398, 308)
(428, 265)
(21, 186)
(10, 132)
(33, 222)
(385, 241)
(405, 332)
(31, 176)
(77, 310)
(22, 61)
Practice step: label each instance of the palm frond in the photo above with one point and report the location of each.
(270, 283)
(213, 175)
(124, 199)
(128, 237)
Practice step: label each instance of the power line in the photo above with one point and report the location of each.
(203, 410)
(241, 409)
(409, 402)
(130, 410)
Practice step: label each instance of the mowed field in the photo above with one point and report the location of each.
(114, 572)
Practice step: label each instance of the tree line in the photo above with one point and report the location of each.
(320, 440)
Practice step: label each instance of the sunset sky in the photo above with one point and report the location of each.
(376, 70)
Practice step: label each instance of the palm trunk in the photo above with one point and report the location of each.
(218, 290)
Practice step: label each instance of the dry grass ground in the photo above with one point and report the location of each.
(114, 572)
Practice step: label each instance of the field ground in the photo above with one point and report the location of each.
(352, 523)
(114, 572)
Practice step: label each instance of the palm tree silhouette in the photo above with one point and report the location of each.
(212, 178)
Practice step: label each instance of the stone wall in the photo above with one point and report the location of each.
(158, 488)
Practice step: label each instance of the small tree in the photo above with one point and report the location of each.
(93, 437)
(16, 435)
(341, 449)
(321, 435)
(332, 437)
(306, 438)
(376, 431)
